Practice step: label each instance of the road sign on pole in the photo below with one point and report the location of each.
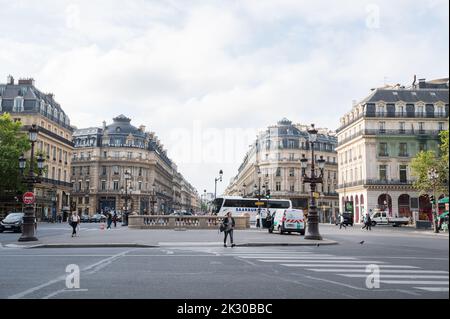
(28, 198)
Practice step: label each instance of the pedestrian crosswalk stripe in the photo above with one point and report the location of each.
(433, 289)
(303, 257)
(414, 282)
(326, 261)
(382, 275)
(344, 265)
(408, 271)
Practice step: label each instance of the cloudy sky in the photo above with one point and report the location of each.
(207, 75)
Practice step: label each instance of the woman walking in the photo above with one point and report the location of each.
(74, 221)
(229, 224)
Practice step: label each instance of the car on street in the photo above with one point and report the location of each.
(181, 213)
(348, 219)
(12, 222)
(85, 218)
(97, 218)
(383, 218)
(287, 221)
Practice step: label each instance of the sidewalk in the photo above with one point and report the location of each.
(125, 237)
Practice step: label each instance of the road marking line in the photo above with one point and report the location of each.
(286, 257)
(414, 282)
(433, 289)
(63, 290)
(346, 265)
(324, 261)
(384, 271)
(397, 276)
(63, 277)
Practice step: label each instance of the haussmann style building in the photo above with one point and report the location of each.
(29, 105)
(276, 154)
(119, 163)
(377, 140)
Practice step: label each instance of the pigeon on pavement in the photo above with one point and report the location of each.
(361, 242)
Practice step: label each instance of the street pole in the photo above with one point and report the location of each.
(29, 219)
(313, 223)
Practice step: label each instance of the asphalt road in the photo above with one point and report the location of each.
(410, 266)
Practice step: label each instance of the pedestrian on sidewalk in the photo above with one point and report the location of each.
(364, 219)
(114, 219)
(368, 222)
(229, 224)
(258, 216)
(342, 222)
(109, 220)
(74, 221)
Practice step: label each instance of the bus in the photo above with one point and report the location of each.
(240, 206)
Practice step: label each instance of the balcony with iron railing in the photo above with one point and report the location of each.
(373, 182)
(431, 115)
(390, 132)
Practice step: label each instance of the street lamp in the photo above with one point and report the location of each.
(313, 180)
(215, 180)
(126, 196)
(205, 201)
(29, 219)
(153, 198)
(433, 176)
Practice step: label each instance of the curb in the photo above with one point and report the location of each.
(315, 243)
(99, 245)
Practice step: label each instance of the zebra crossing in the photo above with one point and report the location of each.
(309, 260)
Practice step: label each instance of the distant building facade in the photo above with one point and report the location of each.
(103, 155)
(277, 153)
(29, 105)
(377, 140)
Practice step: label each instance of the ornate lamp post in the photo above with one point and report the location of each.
(433, 176)
(126, 196)
(215, 180)
(313, 180)
(205, 203)
(257, 189)
(29, 218)
(153, 199)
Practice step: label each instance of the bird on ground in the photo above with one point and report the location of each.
(361, 242)
(317, 245)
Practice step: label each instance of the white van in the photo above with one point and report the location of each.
(289, 220)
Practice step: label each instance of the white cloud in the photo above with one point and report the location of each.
(226, 64)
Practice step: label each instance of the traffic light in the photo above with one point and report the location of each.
(432, 199)
(268, 193)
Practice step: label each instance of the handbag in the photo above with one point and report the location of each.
(222, 227)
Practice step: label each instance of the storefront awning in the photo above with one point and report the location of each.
(443, 200)
(443, 215)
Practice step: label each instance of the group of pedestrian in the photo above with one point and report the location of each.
(111, 218)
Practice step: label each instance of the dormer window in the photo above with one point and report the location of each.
(117, 129)
(18, 105)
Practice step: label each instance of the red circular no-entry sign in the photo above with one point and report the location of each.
(28, 198)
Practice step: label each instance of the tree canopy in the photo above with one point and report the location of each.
(426, 160)
(13, 143)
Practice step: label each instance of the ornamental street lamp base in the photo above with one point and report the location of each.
(25, 238)
(313, 237)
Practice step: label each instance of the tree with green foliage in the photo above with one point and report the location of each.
(423, 164)
(13, 143)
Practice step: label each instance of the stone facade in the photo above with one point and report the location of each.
(30, 106)
(377, 141)
(277, 153)
(103, 155)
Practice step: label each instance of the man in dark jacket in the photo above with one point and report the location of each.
(229, 224)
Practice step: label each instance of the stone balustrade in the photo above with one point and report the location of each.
(188, 222)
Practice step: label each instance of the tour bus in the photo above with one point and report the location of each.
(239, 206)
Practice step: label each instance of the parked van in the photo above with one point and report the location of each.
(289, 220)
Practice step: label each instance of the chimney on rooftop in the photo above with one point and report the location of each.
(29, 81)
(10, 80)
(142, 128)
(422, 83)
(104, 124)
(50, 95)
